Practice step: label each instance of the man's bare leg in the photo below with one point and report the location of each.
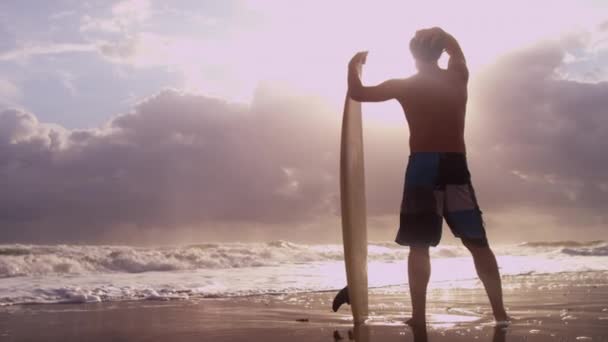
(419, 272)
(487, 270)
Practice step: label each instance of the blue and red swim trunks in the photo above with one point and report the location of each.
(438, 186)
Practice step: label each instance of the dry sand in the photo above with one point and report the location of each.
(562, 307)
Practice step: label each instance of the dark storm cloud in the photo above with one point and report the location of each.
(177, 160)
(542, 139)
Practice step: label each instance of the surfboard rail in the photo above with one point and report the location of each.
(353, 207)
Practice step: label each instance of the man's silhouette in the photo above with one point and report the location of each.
(437, 181)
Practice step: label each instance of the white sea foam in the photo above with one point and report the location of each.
(23, 260)
(77, 274)
(601, 250)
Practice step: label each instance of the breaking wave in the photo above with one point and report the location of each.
(24, 260)
(40, 260)
(587, 251)
(570, 248)
(83, 274)
(563, 243)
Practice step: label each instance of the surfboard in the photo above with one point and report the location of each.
(352, 199)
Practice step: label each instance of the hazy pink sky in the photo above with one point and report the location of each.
(245, 145)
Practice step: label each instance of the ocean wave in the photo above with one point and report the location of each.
(25, 260)
(41, 260)
(562, 243)
(587, 251)
(571, 248)
(14, 250)
(117, 288)
(80, 295)
(85, 274)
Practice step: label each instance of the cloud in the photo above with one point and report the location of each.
(32, 50)
(585, 56)
(539, 137)
(148, 49)
(124, 15)
(9, 93)
(177, 160)
(131, 10)
(61, 15)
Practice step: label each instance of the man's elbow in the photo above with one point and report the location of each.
(356, 95)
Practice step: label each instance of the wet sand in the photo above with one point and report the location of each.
(562, 307)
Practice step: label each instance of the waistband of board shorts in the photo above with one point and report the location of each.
(413, 154)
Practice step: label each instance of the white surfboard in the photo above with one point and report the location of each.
(352, 198)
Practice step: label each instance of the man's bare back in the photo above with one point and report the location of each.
(434, 103)
(434, 100)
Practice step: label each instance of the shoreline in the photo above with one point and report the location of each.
(509, 280)
(544, 308)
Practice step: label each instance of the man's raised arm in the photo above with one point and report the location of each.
(357, 91)
(457, 62)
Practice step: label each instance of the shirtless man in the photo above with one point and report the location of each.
(437, 181)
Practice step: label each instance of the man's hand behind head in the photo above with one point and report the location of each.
(431, 38)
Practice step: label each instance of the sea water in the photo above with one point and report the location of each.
(37, 274)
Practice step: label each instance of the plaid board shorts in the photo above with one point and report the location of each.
(438, 186)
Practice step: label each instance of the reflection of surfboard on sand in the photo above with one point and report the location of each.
(352, 196)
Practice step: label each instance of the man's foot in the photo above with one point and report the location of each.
(502, 321)
(416, 322)
(341, 298)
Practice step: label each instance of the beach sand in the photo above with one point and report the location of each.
(558, 307)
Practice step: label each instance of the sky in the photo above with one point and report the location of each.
(157, 122)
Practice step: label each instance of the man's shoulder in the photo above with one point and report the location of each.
(403, 80)
(408, 82)
(403, 84)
